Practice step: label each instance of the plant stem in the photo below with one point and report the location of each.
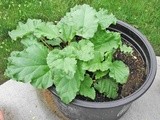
(45, 43)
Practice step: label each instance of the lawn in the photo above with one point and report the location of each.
(142, 14)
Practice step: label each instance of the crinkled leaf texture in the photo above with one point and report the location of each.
(68, 72)
(58, 61)
(97, 63)
(108, 87)
(48, 30)
(67, 88)
(36, 28)
(84, 50)
(83, 19)
(124, 48)
(65, 59)
(86, 89)
(106, 41)
(54, 42)
(119, 71)
(105, 19)
(30, 65)
(100, 74)
(30, 40)
(67, 32)
(24, 29)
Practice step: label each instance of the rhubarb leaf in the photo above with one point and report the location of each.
(100, 74)
(84, 50)
(80, 71)
(86, 88)
(48, 30)
(58, 61)
(54, 42)
(83, 19)
(108, 87)
(29, 40)
(30, 65)
(67, 32)
(94, 64)
(25, 29)
(105, 19)
(125, 49)
(119, 71)
(97, 63)
(67, 88)
(106, 41)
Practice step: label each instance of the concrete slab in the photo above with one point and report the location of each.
(20, 101)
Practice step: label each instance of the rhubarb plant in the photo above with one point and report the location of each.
(76, 55)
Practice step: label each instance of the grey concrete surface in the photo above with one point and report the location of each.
(20, 101)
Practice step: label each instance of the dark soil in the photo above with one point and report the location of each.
(135, 80)
(137, 72)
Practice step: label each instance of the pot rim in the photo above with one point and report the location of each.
(137, 93)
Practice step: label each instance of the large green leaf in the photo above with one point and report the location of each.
(57, 60)
(67, 32)
(54, 42)
(100, 74)
(119, 71)
(98, 63)
(105, 19)
(66, 87)
(30, 65)
(83, 19)
(29, 41)
(80, 71)
(84, 50)
(25, 29)
(36, 28)
(48, 30)
(106, 41)
(86, 89)
(126, 49)
(108, 87)
(94, 64)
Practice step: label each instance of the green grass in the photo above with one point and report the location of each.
(143, 14)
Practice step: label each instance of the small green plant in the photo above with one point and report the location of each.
(75, 54)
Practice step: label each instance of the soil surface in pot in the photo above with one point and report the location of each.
(136, 78)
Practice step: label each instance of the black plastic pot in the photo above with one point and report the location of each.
(83, 110)
(2, 81)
